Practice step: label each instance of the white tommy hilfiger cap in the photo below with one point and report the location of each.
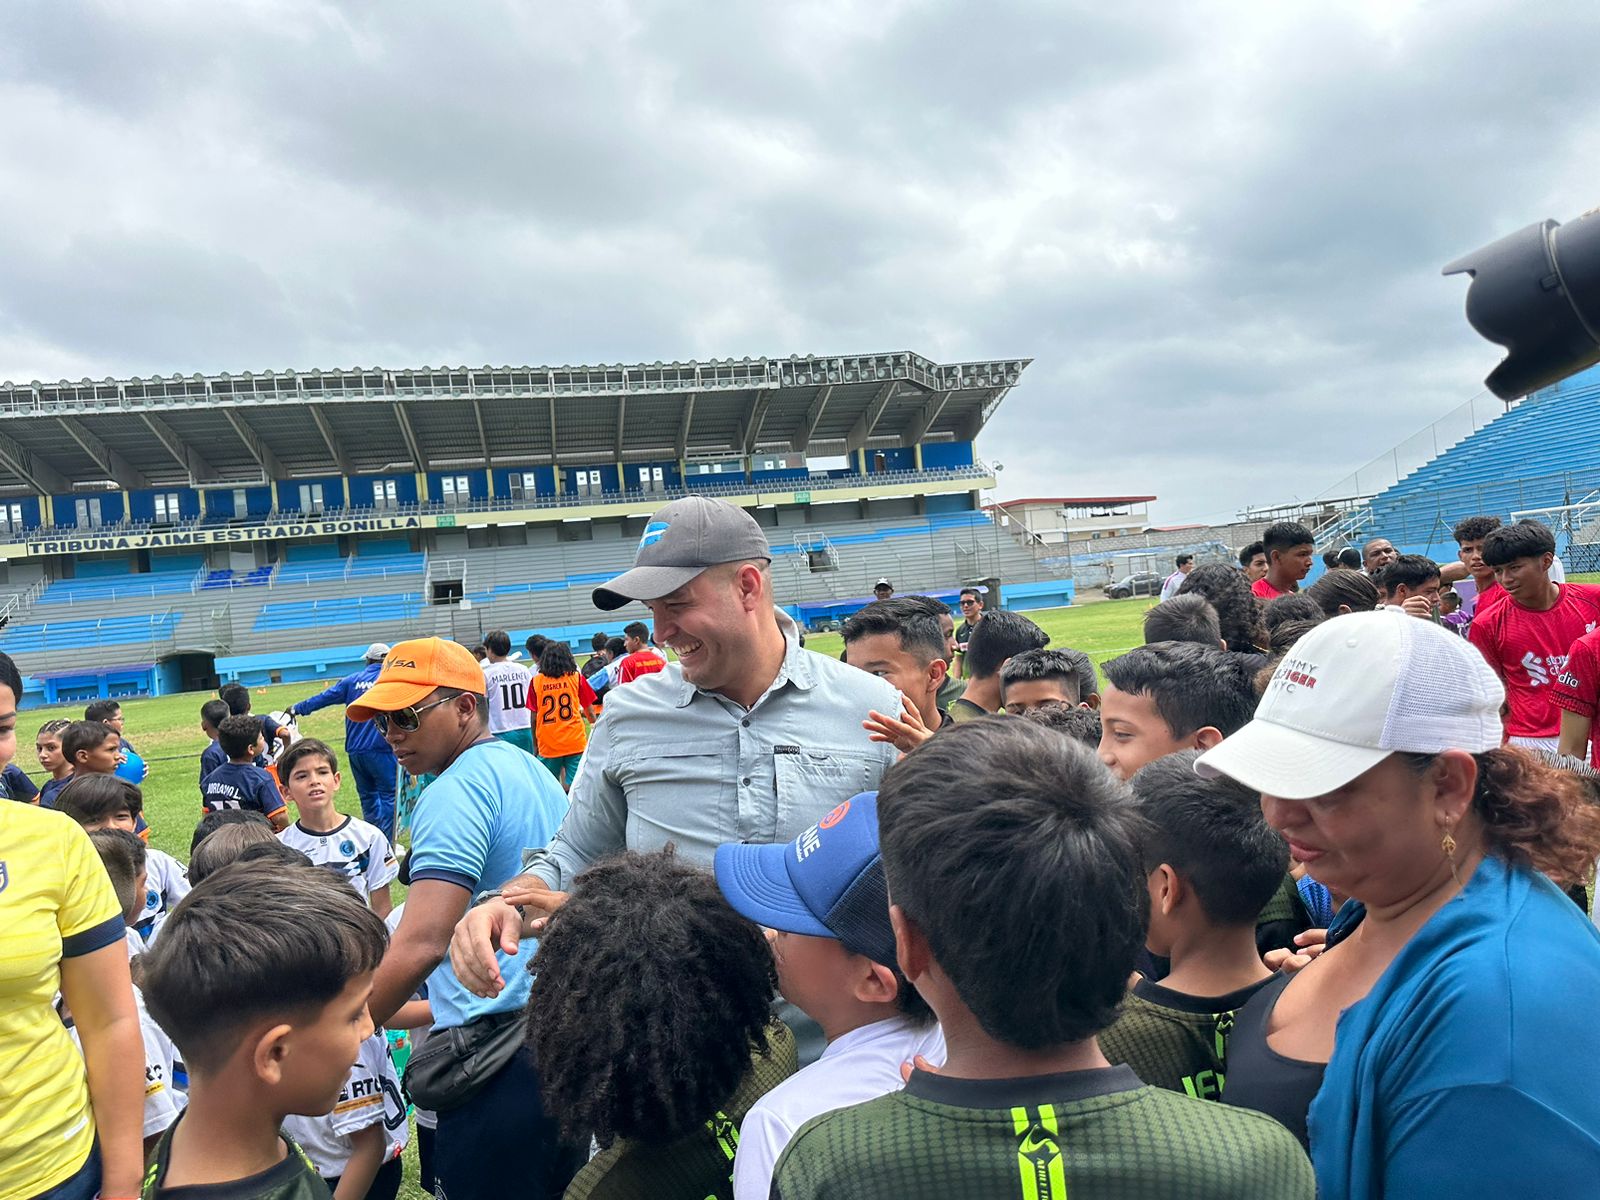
(1353, 691)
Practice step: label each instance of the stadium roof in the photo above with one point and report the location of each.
(1073, 501)
(220, 430)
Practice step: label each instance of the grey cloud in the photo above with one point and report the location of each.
(1216, 227)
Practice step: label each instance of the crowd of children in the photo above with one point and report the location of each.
(1097, 945)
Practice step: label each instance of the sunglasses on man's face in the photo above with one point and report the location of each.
(405, 719)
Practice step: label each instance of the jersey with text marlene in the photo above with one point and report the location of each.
(556, 702)
(507, 684)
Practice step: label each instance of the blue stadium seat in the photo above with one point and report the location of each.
(309, 614)
(108, 631)
(1542, 453)
(67, 591)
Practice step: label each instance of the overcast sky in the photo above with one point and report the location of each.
(1216, 228)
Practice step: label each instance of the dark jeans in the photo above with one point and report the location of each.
(425, 1138)
(84, 1185)
(471, 1159)
(385, 1184)
(375, 778)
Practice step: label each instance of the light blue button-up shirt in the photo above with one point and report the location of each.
(670, 762)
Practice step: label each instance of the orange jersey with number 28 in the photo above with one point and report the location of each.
(556, 705)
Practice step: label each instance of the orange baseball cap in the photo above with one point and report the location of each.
(412, 670)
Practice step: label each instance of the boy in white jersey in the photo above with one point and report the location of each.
(824, 900)
(124, 857)
(106, 802)
(356, 850)
(507, 691)
(357, 1147)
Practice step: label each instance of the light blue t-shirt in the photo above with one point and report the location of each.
(1468, 1070)
(471, 828)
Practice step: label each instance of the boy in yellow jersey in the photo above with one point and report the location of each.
(560, 700)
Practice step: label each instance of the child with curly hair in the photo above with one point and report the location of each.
(650, 1017)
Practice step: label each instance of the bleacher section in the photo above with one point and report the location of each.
(548, 586)
(379, 566)
(215, 580)
(1541, 453)
(146, 611)
(73, 637)
(390, 611)
(118, 589)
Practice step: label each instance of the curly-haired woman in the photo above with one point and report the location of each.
(1442, 1044)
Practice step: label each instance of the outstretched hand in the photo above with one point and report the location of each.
(498, 924)
(905, 732)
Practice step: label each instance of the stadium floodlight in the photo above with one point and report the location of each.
(1537, 293)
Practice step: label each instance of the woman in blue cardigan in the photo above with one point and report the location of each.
(1444, 1044)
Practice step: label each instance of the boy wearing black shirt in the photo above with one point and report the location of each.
(991, 834)
(239, 783)
(1212, 865)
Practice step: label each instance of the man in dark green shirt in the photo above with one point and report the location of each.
(992, 835)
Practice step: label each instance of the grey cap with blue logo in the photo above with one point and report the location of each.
(679, 542)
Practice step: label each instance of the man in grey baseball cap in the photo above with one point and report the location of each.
(680, 542)
(747, 737)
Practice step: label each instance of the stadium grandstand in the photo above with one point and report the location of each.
(1539, 459)
(158, 534)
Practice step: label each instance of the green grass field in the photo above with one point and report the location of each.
(166, 731)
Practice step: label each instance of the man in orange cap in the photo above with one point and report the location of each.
(490, 800)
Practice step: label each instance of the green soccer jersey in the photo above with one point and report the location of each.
(698, 1165)
(1175, 1041)
(1284, 916)
(293, 1178)
(1085, 1135)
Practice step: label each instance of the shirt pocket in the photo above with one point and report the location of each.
(680, 793)
(812, 781)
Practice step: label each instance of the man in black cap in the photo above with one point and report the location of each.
(883, 590)
(746, 738)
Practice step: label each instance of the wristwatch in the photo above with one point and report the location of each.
(496, 894)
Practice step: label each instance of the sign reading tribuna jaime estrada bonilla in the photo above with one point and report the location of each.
(90, 543)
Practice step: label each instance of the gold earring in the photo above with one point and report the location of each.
(1448, 845)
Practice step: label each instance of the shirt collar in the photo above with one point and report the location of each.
(796, 668)
(889, 1027)
(1030, 1090)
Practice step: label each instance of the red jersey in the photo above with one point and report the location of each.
(1577, 688)
(641, 662)
(1528, 650)
(1488, 598)
(1265, 590)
